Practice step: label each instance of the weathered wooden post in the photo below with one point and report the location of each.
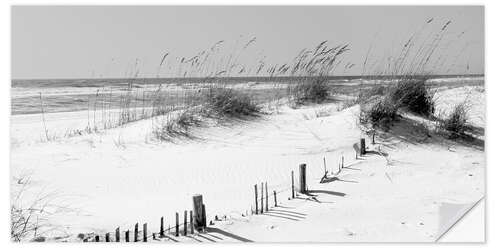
(97, 238)
(127, 236)
(162, 227)
(198, 212)
(302, 172)
(256, 200)
(275, 200)
(106, 237)
(342, 160)
(267, 199)
(262, 197)
(145, 232)
(191, 221)
(362, 147)
(185, 223)
(136, 232)
(176, 224)
(204, 216)
(293, 188)
(117, 234)
(324, 165)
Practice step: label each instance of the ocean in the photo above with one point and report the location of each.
(63, 95)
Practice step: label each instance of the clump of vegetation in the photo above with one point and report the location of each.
(456, 122)
(380, 114)
(177, 126)
(230, 102)
(313, 90)
(311, 69)
(413, 95)
(30, 218)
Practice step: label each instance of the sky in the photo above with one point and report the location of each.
(115, 41)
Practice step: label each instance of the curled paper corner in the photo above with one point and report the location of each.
(455, 224)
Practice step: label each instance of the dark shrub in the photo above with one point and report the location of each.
(413, 95)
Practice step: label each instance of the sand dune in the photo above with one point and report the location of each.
(123, 176)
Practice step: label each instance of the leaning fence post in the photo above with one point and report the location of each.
(145, 232)
(191, 221)
(362, 147)
(267, 199)
(117, 234)
(256, 200)
(162, 227)
(185, 223)
(198, 212)
(293, 188)
(176, 224)
(127, 236)
(275, 201)
(302, 172)
(106, 237)
(262, 197)
(136, 232)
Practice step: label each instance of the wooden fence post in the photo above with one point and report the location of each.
(275, 201)
(302, 172)
(373, 137)
(162, 227)
(191, 221)
(324, 165)
(145, 232)
(267, 199)
(176, 224)
(117, 234)
(127, 236)
(185, 223)
(204, 216)
(262, 197)
(106, 237)
(362, 147)
(198, 212)
(293, 188)
(97, 238)
(256, 200)
(136, 232)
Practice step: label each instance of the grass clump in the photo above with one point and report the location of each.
(312, 90)
(414, 96)
(231, 103)
(177, 126)
(456, 122)
(380, 114)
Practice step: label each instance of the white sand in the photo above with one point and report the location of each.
(124, 176)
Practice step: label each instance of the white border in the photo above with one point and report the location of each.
(492, 14)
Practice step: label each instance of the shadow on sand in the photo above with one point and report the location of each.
(332, 179)
(327, 192)
(227, 234)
